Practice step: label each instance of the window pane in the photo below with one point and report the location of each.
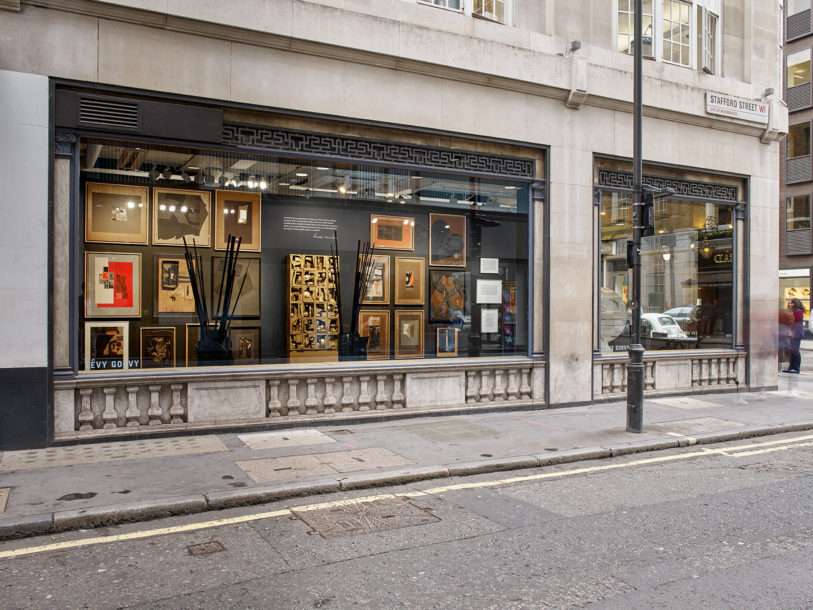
(624, 5)
(687, 276)
(798, 140)
(799, 68)
(797, 6)
(797, 212)
(623, 24)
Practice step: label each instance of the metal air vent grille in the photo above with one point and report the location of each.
(109, 113)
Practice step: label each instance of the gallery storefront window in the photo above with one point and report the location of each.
(337, 261)
(687, 271)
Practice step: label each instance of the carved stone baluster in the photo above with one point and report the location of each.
(618, 377)
(275, 408)
(512, 384)
(154, 412)
(397, 395)
(485, 387)
(330, 400)
(717, 371)
(525, 384)
(732, 370)
(131, 413)
(85, 413)
(311, 402)
(364, 396)
(293, 403)
(695, 372)
(704, 372)
(499, 388)
(381, 394)
(176, 409)
(109, 415)
(649, 375)
(347, 397)
(471, 387)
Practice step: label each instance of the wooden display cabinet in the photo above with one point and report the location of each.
(313, 313)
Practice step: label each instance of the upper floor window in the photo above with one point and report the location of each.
(493, 10)
(798, 6)
(798, 68)
(798, 140)
(797, 212)
(682, 32)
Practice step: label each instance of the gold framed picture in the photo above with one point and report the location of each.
(107, 346)
(179, 214)
(409, 281)
(447, 296)
(375, 324)
(392, 232)
(246, 284)
(245, 344)
(378, 283)
(116, 214)
(409, 334)
(173, 286)
(157, 347)
(238, 213)
(447, 240)
(112, 285)
(447, 342)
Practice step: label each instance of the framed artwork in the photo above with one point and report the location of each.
(409, 281)
(489, 320)
(392, 232)
(447, 296)
(116, 214)
(378, 286)
(112, 285)
(173, 287)
(447, 342)
(489, 265)
(245, 344)
(238, 214)
(447, 240)
(489, 291)
(107, 346)
(409, 334)
(247, 275)
(179, 214)
(157, 347)
(376, 326)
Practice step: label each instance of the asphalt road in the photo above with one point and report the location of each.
(719, 526)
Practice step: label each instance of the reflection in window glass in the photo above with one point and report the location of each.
(626, 27)
(797, 6)
(687, 276)
(797, 212)
(794, 288)
(798, 140)
(799, 68)
(453, 4)
(676, 40)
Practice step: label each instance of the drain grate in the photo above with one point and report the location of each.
(695, 425)
(205, 548)
(450, 431)
(363, 517)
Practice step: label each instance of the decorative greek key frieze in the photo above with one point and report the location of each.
(275, 139)
(614, 178)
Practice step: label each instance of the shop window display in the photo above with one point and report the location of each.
(687, 271)
(301, 225)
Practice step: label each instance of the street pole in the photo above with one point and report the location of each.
(635, 367)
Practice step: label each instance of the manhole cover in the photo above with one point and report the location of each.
(205, 548)
(362, 517)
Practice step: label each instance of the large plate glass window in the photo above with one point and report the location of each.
(797, 6)
(449, 271)
(626, 27)
(798, 140)
(797, 212)
(798, 68)
(687, 275)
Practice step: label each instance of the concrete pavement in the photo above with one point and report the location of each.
(58, 489)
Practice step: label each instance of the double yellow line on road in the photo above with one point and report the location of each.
(732, 452)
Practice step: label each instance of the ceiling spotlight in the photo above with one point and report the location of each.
(168, 173)
(453, 200)
(185, 177)
(153, 175)
(344, 186)
(221, 180)
(251, 184)
(263, 183)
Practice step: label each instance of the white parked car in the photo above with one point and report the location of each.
(662, 331)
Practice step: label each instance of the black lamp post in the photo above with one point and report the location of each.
(635, 367)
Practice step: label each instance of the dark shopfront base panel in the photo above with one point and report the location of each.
(23, 408)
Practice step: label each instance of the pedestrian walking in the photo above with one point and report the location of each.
(797, 333)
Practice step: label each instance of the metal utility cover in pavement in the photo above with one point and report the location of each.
(106, 452)
(284, 438)
(205, 548)
(4, 492)
(349, 519)
(450, 431)
(685, 403)
(694, 425)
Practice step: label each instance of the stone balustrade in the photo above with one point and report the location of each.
(113, 405)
